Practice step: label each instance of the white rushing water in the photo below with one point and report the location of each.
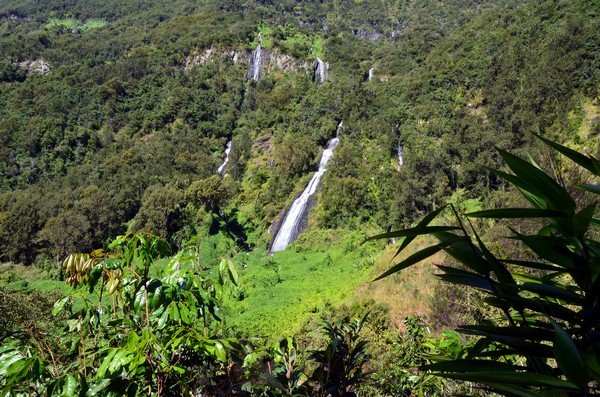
(371, 73)
(254, 73)
(320, 71)
(289, 228)
(400, 156)
(227, 150)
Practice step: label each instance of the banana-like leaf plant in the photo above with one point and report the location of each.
(547, 340)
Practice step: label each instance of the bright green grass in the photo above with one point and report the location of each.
(312, 45)
(279, 293)
(266, 32)
(72, 23)
(94, 24)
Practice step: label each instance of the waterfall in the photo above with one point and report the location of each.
(320, 71)
(227, 150)
(400, 149)
(400, 156)
(254, 69)
(370, 74)
(289, 228)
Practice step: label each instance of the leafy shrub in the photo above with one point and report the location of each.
(151, 337)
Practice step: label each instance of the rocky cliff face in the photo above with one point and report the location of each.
(270, 59)
(39, 66)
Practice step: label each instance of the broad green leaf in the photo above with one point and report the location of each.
(97, 387)
(414, 232)
(70, 387)
(590, 163)
(469, 366)
(545, 290)
(215, 310)
(512, 390)
(184, 313)
(568, 358)
(232, 273)
(423, 223)
(582, 220)
(113, 263)
(592, 360)
(526, 348)
(119, 360)
(550, 248)
(525, 333)
(539, 183)
(36, 368)
(466, 253)
(505, 279)
(544, 307)
(514, 378)
(17, 371)
(463, 277)
(174, 313)
(534, 265)
(139, 302)
(7, 359)
(156, 298)
(164, 318)
(518, 213)
(535, 199)
(59, 305)
(220, 352)
(418, 257)
(590, 188)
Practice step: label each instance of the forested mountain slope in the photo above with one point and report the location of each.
(115, 115)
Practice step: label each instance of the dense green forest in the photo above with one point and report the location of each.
(115, 116)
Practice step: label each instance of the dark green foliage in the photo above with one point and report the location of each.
(149, 95)
(340, 364)
(545, 334)
(20, 221)
(26, 317)
(160, 211)
(67, 232)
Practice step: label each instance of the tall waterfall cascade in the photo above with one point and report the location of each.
(289, 229)
(226, 160)
(320, 71)
(254, 69)
(370, 76)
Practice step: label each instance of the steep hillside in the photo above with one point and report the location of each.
(115, 116)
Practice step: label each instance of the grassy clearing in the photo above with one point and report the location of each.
(280, 292)
(10, 272)
(29, 278)
(72, 23)
(409, 292)
(310, 46)
(266, 33)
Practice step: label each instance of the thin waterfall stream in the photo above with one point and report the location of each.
(221, 168)
(400, 155)
(289, 229)
(320, 72)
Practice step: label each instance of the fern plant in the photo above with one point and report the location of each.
(548, 341)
